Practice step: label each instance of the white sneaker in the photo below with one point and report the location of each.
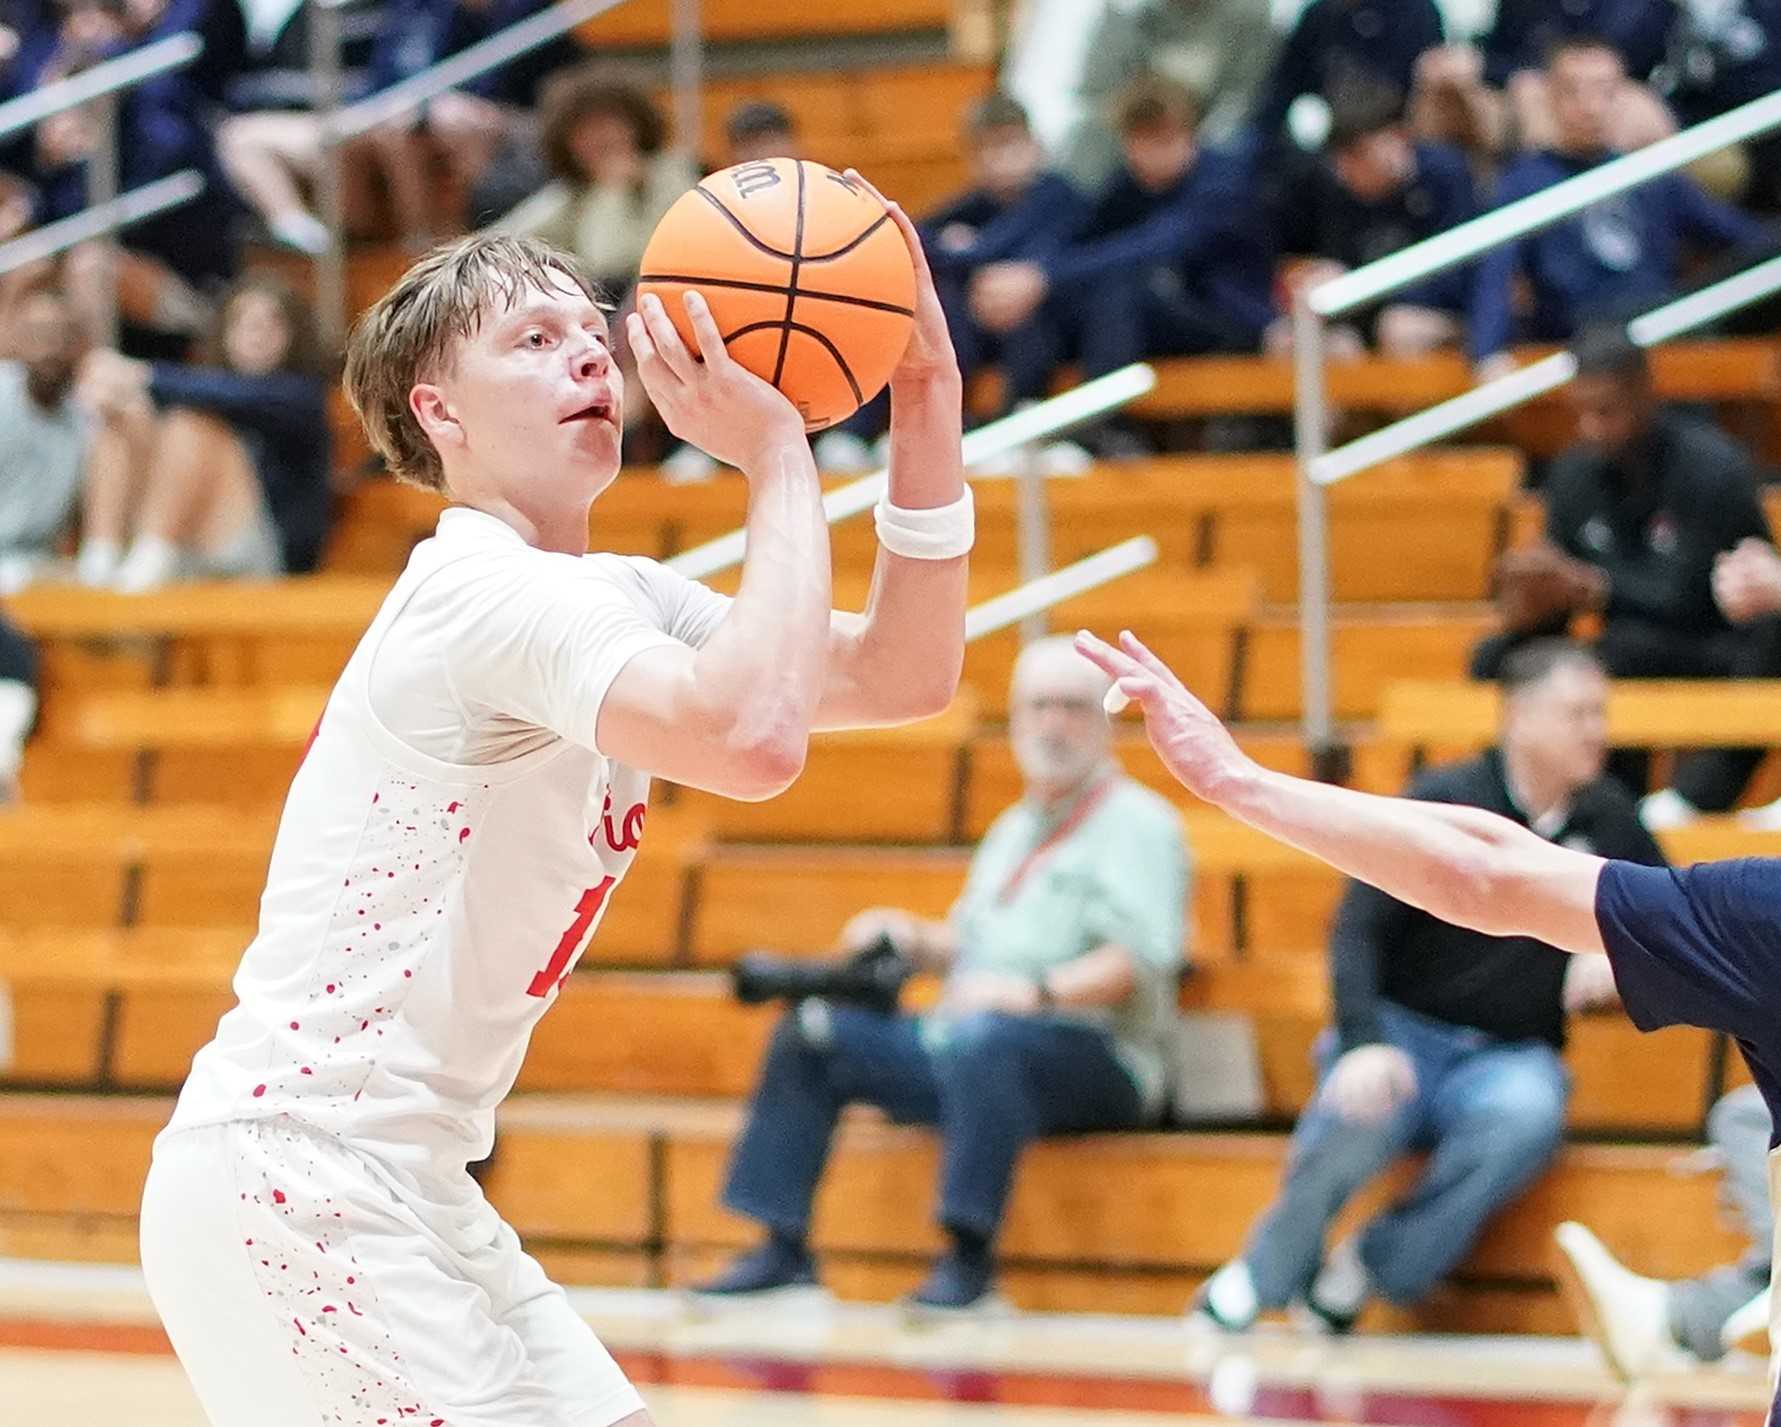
(1624, 1314)
(1341, 1288)
(1748, 1329)
(689, 466)
(842, 452)
(1666, 809)
(1228, 1300)
(1766, 818)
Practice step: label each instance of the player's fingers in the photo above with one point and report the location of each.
(666, 339)
(656, 375)
(911, 237)
(1138, 650)
(705, 333)
(1104, 656)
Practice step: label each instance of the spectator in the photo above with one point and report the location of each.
(44, 435)
(760, 129)
(1057, 1016)
(1017, 210)
(1619, 256)
(18, 705)
(1493, 99)
(1173, 259)
(1379, 190)
(1638, 1322)
(175, 260)
(217, 471)
(1219, 49)
(274, 151)
(1721, 55)
(1338, 45)
(614, 177)
(1638, 514)
(1445, 1039)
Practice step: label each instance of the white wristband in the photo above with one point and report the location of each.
(943, 533)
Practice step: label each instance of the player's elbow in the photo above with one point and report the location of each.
(765, 766)
(1488, 886)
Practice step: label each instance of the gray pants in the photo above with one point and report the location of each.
(1738, 1127)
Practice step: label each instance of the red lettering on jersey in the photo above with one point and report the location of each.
(629, 833)
(557, 971)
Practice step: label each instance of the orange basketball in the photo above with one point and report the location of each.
(807, 276)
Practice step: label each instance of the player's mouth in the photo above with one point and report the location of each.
(593, 411)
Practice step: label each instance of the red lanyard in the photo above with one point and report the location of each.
(1090, 801)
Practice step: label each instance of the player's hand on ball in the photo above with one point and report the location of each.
(929, 353)
(1370, 1083)
(1187, 736)
(708, 399)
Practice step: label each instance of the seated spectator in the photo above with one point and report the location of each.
(273, 152)
(1718, 56)
(44, 435)
(18, 705)
(1445, 1039)
(217, 471)
(1222, 50)
(1639, 1323)
(1638, 513)
(759, 129)
(172, 263)
(613, 175)
(1376, 191)
(1174, 259)
(1016, 210)
(1057, 1016)
(1492, 99)
(1617, 258)
(1338, 45)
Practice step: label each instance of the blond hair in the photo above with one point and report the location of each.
(410, 333)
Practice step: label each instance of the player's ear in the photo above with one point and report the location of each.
(435, 414)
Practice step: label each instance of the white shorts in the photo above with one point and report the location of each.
(300, 1289)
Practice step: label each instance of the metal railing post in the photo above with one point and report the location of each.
(686, 73)
(330, 267)
(1310, 433)
(102, 187)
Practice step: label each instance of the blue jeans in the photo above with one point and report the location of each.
(1490, 1112)
(999, 1083)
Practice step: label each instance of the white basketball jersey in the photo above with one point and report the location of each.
(448, 848)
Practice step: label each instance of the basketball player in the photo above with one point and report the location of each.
(1697, 946)
(473, 795)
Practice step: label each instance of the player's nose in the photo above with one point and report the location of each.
(591, 359)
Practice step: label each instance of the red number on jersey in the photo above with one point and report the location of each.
(585, 911)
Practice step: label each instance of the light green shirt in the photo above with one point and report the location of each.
(1120, 876)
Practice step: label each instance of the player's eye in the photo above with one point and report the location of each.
(537, 339)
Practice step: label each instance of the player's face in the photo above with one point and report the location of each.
(1561, 724)
(1059, 731)
(1584, 85)
(535, 399)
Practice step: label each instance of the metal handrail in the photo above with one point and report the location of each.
(112, 77)
(484, 55)
(996, 438)
(1036, 596)
(101, 219)
(1319, 467)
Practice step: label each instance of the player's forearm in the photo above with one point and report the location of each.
(903, 662)
(761, 673)
(1461, 864)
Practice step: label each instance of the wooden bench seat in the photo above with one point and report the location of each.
(627, 1190)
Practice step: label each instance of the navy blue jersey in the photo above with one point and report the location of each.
(1701, 946)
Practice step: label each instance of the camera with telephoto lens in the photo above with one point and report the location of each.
(872, 977)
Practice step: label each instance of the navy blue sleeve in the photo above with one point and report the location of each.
(1708, 221)
(1696, 946)
(1034, 229)
(281, 405)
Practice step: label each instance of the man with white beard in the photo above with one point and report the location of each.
(1061, 960)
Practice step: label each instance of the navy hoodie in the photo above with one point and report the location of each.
(1342, 42)
(1046, 216)
(1617, 258)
